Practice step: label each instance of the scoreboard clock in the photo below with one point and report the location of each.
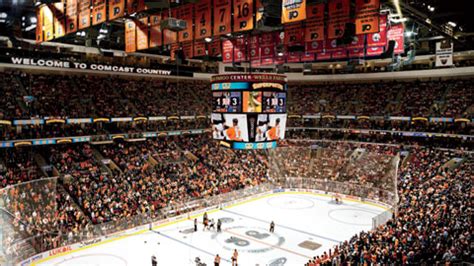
(249, 110)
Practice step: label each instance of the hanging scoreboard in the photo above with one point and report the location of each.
(249, 110)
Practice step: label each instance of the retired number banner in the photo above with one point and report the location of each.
(186, 13)
(116, 9)
(98, 11)
(71, 16)
(59, 19)
(367, 16)
(339, 11)
(134, 6)
(293, 11)
(314, 30)
(243, 15)
(222, 17)
(142, 33)
(156, 38)
(130, 36)
(84, 14)
(203, 19)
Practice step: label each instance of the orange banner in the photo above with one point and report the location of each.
(39, 25)
(243, 15)
(222, 17)
(134, 6)
(98, 11)
(142, 33)
(116, 9)
(203, 19)
(199, 48)
(215, 48)
(71, 16)
(84, 14)
(130, 36)
(186, 13)
(339, 11)
(367, 16)
(169, 36)
(187, 49)
(59, 19)
(48, 27)
(156, 38)
(294, 34)
(314, 30)
(293, 11)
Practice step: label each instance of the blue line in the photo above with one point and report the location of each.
(189, 245)
(283, 226)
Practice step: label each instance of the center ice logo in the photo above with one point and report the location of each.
(247, 239)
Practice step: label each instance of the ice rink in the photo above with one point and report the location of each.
(306, 225)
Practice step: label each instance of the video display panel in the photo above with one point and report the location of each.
(227, 101)
(274, 102)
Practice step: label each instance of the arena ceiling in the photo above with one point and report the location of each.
(427, 19)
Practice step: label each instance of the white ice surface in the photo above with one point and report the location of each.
(298, 218)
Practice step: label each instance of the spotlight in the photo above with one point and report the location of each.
(208, 39)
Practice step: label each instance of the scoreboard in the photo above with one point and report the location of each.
(249, 110)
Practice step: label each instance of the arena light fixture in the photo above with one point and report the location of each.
(208, 39)
(452, 24)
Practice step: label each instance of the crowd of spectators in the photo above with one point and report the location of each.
(83, 96)
(433, 223)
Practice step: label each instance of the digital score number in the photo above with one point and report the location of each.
(227, 102)
(274, 102)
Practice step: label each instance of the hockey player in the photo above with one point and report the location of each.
(154, 262)
(272, 227)
(219, 225)
(234, 257)
(212, 224)
(195, 224)
(217, 260)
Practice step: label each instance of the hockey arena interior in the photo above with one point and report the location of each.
(236, 132)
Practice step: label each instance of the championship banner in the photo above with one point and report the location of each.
(84, 14)
(367, 16)
(186, 13)
(71, 16)
(267, 47)
(173, 49)
(254, 53)
(444, 53)
(358, 42)
(294, 34)
(169, 36)
(134, 6)
(222, 17)
(130, 36)
(375, 51)
(314, 30)
(380, 38)
(199, 48)
(240, 50)
(396, 33)
(227, 51)
(357, 52)
(293, 11)
(339, 11)
(187, 49)
(142, 34)
(48, 28)
(323, 56)
(59, 19)
(156, 38)
(215, 48)
(39, 25)
(243, 15)
(342, 54)
(315, 46)
(294, 57)
(307, 57)
(116, 9)
(98, 11)
(331, 46)
(203, 19)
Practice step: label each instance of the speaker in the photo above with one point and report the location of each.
(389, 52)
(348, 36)
(271, 15)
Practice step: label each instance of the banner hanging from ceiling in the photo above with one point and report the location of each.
(142, 33)
(98, 12)
(380, 38)
(59, 19)
(156, 38)
(203, 19)
(243, 15)
(293, 11)
(397, 33)
(84, 14)
(186, 13)
(71, 16)
(130, 36)
(367, 16)
(339, 15)
(222, 17)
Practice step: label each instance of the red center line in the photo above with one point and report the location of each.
(273, 246)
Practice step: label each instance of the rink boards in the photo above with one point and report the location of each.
(43, 258)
